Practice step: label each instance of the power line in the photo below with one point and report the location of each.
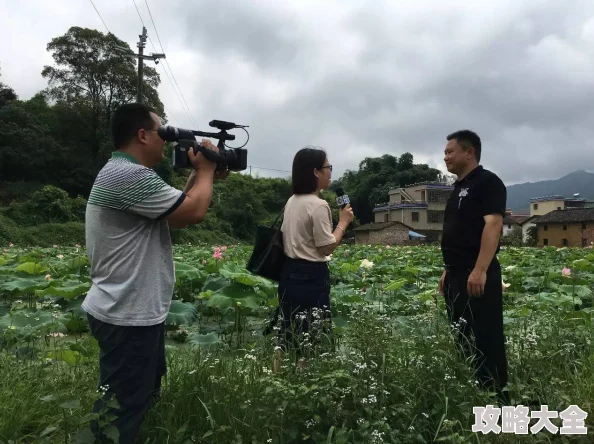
(175, 119)
(100, 16)
(268, 169)
(116, 79)
(167, 63)
(119, 83)
(167, 75)
(190, 117)
(172, 87)
(155, 26)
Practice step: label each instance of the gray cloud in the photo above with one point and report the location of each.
(360, 80)
(256, 31)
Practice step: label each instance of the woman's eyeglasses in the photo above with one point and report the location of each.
(327, 166)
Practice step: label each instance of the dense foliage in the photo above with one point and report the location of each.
(369, 186)
(394, 377)
(60, 138)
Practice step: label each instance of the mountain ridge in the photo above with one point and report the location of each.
(579, 181)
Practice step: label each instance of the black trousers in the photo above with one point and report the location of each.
(304, 304)
(131, 364)
(480, 321)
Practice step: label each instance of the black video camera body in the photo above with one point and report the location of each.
(235, 159)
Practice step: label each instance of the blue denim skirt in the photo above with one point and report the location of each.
(304, 302)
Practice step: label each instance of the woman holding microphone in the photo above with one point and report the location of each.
(309, 240)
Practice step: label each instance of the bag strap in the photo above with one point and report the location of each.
(277, 217)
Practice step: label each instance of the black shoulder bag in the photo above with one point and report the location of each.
(268, 256)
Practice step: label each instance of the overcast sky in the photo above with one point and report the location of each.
(356, 78)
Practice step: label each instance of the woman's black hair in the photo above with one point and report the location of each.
(305, 161)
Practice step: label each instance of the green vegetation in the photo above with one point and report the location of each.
(54, 144)
(395, 376)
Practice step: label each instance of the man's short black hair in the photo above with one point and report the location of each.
(467, 139)
(127, 120)
(303, 177)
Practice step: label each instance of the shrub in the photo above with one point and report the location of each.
(48, 205)
(43, 235)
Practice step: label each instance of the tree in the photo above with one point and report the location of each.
(94, 78)
(28, 149)
(531, 236)
(513, 238)
(370, 185)
(405, 162)
(7, 95)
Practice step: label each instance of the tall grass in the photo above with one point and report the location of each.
(386, 382)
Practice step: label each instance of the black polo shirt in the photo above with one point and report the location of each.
(478, 194)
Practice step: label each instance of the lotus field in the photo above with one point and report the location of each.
(394, 376)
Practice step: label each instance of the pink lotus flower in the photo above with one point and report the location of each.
(223, 248)
(217, 254)
(566, 272)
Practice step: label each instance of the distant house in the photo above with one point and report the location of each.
(420, 206)
(386, 233)
(520, 218)
(525, 224)
(539, 206)
(509, 224)
(566, 228)
(517, 222)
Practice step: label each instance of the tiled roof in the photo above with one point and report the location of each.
(430, 184)
(375, 226)
(567, 216)
(397, 206)
(519, 218)
(557, 197)
(547, 198)
(526, 219)
(508, 220)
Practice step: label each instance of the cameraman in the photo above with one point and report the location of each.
(129, 212)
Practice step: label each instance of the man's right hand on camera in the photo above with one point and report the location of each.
(199, 161)
(193, 208)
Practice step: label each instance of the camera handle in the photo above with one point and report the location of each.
(209, 154)
(194, 145)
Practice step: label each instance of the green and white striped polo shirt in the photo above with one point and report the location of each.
(128, 244)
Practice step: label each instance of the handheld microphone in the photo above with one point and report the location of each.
(343, 199)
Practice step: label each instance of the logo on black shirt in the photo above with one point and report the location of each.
(463, 193)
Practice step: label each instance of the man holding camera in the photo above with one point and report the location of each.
(129, 212)
(471, 280)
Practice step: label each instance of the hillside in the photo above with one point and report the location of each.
(519, 195)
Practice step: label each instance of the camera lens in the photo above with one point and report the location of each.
(167, 133)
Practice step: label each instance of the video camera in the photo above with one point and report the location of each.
(233, 158)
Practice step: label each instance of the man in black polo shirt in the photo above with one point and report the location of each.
(471, 280)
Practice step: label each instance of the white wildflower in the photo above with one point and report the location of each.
(366, 264)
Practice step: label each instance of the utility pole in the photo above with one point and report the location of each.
(140, 45)
(141, 58)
